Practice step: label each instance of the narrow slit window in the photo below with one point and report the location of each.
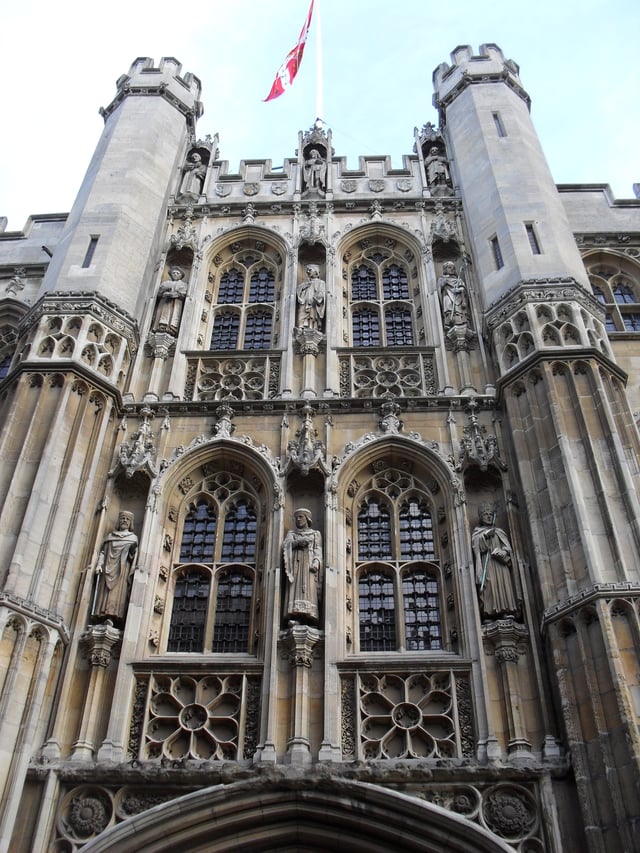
(497, 253)
(91, 248)
(533, 239)
(499, 125)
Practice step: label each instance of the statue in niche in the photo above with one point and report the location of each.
(302, 552)
(311, 295)
(194, 175)
(314, 172)
(493, 563)
(437, 169)
(454, 295)
(171, 296)
(114, 571)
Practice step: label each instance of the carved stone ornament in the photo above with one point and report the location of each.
(251, 188)
(278, 188)
(223, 427)
(223, 190)
(404, 185)
(98, 642)
(376, 185)
(477, 448)
(307, 452)
(390, 423)
(186, 235)
(16, 283)
(349, 185)
(308, 341)
(138, 454)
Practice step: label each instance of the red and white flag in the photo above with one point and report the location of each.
(289, 68)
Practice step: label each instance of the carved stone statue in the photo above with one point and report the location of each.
(194, 175)
(114, 570)
(437, 169)
(314, 172)
(454, 295)
(493, 555)
(171, 297)
(311, 295)
(303, 566)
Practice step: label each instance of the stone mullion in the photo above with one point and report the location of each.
(335, 591)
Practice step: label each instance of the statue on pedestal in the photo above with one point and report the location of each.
(493, 563)
(303, 566)
(114, 570)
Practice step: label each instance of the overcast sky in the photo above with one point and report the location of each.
(579, 61)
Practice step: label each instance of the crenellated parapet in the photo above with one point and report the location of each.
(467, 68)
(163, 80)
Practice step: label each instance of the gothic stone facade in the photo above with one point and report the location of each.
(319, 518)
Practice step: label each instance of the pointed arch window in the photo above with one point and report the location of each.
(382, 310)
(213, 601)
(397, 567)
(616, 284)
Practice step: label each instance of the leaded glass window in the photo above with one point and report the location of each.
(231, 289)
(381, 306)
(397, 565)
(257, 334)
(262, 286)
(421, 606)
(615, 283)
(225, 331)
(213, 602)
(189, 613)
(376, 604)
(366, 328)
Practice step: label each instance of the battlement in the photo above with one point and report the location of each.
(488, 66)
(164, 80)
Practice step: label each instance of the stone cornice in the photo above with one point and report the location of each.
(85, 302)
(536, 290)
(35, 613)
(591, 593)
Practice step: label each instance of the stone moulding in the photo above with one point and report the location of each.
(589, 594)
(35, 613)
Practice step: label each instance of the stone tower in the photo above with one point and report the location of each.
(318, 511)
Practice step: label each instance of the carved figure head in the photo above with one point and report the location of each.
(125, 521)
(302, 517)
(312, 270)
(449, 268)
(175, 273)
(486, 514)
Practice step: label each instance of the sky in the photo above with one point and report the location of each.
(578, 61)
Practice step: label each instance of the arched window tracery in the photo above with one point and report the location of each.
(615, 283)
(397, 566)
(213, 601)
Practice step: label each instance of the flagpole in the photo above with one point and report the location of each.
(319, 92)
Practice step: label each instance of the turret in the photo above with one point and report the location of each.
(112, 236)
(519, 230)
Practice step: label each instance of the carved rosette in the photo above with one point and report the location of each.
(193, 717)
(231, 378)
(411, 716)
(403, 375)
(85, 812)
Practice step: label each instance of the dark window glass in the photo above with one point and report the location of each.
(533, 239)
(198, 534)
(231, 289)
(599, 294)
(262, 286)
(631, 322)
(363, 283)
(257, 334)
(366, 329)
(416, 532)
(421, 604)
(225, 331)
(4, 365)
(239, 537)
(374, 532)
(233, 612)
(189, 614)
(497, 253)
(377, 613)
(399, 327)
(610, 323)
(395, 284)
(623, 294)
